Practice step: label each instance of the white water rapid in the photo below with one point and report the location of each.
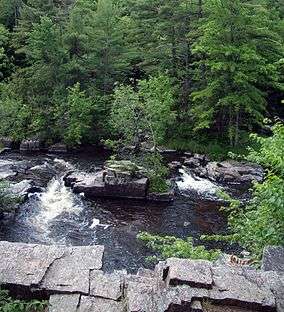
(191, 183)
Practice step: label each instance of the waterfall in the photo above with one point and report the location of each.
(57, 199)
(201, 186)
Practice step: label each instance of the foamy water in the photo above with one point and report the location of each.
(57, 199)
(201, 186)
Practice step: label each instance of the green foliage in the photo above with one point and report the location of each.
(214, 149)
(8, 304)
(77, 116)
(222, 62)
(235, 37)
(147, 112)
(261, 222)
(156, 171)
(271, 150)
(169, 246)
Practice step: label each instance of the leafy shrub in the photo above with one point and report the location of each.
(8, 304)
(169, 246)
(156, 171)
(261, 222)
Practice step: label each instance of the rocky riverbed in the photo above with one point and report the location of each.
(50, 212)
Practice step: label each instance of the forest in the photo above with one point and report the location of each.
(198, 76)
(213, 69)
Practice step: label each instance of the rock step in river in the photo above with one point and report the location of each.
(72, 279)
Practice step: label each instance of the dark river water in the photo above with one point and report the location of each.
(57, 216)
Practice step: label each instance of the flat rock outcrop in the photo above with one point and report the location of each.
(30, 146)
(74, 281)
(227, 172)
(101, 185)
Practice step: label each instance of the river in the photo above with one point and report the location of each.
(57, 216)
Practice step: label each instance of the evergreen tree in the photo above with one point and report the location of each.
(239, 53)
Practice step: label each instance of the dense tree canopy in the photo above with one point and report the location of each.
(222, 62)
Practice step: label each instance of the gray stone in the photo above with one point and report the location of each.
(273, 258)
(71, 273)
(196, 306)
(26, 264)
(234, 172)
(242, 286)
(140, 297)
(30, 146)
(22, 188)
(6, 142)
(95, 304)
(58, 148)
(196, 273)
(63, 303)
(98, 185)
(161, 197)
(106, 285)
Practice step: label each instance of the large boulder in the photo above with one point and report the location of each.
(30, 146)
(102, 184)
(119, 179)
(6, 142)
(233, 172)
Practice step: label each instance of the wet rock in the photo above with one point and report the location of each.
(70, 273)
(196, 306)
(30, 146)
(6, 142)
(192, 163)
(161, 197)
(195, 273)
(95, 304)
(174, 166)
(42, 173)
(63, 303)
(273, 259)
(4, 174)
(4, 150)
(234, 172)
(107, 286)
(102, 185)
(58, 148)
(22, 189)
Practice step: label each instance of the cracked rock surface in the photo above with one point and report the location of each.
(73, 279)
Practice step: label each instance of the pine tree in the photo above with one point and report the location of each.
(108, 58)
(238, 51)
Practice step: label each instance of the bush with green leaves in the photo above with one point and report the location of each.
(170, 246)
(261, 221)
(156, 171)
(8, 304)
(147, 112)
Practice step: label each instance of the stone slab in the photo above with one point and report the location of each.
(196, 273)
(241, 285)
(64, 303)
(71, 273)
(106, 285)
(95, 304)
(26, 264)
(273, 259)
